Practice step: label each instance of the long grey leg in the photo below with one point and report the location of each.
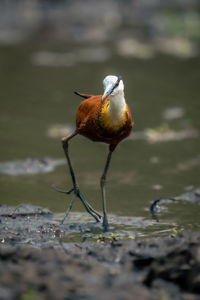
(102, 183)
(75, 188)
(69, 208)
(65, 141)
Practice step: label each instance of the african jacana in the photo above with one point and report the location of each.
(105, 119)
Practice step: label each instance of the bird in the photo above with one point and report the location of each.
(101, 118)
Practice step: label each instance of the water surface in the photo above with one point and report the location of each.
(35, 97)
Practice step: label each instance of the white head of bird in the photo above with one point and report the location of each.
(113, 85)
(114, 89)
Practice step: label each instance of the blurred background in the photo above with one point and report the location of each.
(48, 49)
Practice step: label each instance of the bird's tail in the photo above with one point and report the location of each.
(85, 96)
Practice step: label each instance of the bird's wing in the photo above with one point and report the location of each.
(85, 96)
(87, 110)
(129, 118)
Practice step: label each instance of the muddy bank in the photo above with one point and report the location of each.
(39, 260)
(162, 268)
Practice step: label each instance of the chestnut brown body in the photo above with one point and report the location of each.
(90, 121)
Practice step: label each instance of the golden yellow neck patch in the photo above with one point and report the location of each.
(106, 121)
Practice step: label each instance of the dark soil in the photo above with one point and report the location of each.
(162, 268)
(37, 263)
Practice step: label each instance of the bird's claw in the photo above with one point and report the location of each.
(76, 191)
(63, 191)
(105, 224)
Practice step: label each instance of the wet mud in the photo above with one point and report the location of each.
(39, 260)
(163, 268)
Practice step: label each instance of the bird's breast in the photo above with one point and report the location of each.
(111, 120)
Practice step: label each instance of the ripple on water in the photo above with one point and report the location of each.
(30, 166)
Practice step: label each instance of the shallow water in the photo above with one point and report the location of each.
(163, 94)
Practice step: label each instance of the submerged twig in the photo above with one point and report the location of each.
(155, 206)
